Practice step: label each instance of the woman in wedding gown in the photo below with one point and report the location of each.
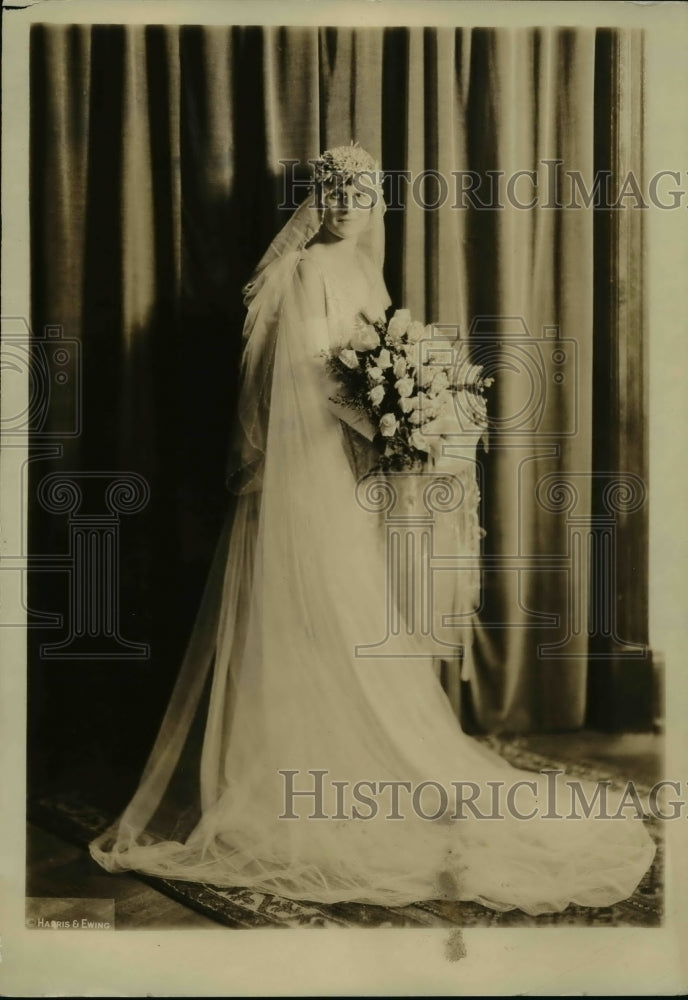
(272, 699)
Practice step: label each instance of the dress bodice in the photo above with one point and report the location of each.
(351, 294)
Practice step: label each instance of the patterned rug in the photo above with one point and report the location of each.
(77, 822)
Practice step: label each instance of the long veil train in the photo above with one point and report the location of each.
(274, 719)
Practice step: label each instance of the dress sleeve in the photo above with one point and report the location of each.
(308, 302)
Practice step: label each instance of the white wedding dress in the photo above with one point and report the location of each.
(271, 682)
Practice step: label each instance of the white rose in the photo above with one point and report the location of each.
(412, 352)
(398, 325)
(415, 331)
(429, 409)
(349, 358)
(426, 374)
(443, 425)
(418, 441)
(366, 338)
(375, 374)
(415, 417)
(443, 399)
(439, 382)
(388, 425)
(408, 403)
(399, 367)
(384, 359)
(404, 386)
(376, 395)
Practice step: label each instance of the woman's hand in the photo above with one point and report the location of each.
(356, 419)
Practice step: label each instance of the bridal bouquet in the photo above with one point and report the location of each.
(409, 395)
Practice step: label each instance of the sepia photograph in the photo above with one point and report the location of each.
(341, 589)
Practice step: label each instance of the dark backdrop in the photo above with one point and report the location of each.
(154, 189)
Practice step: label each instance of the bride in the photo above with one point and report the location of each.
(286, 762)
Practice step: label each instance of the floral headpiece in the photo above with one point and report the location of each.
(342, 162)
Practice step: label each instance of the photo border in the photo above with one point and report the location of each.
(379, 961)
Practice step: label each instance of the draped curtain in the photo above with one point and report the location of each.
(155, 187)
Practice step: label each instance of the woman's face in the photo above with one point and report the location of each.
(347, 210)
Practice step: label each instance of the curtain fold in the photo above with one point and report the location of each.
(545, 281)
(156, 185)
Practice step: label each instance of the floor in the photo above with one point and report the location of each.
(639, 756)
(56, 869)
(59, 870)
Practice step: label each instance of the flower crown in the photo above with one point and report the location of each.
(342, 162)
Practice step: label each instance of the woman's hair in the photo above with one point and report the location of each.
(343, 165)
